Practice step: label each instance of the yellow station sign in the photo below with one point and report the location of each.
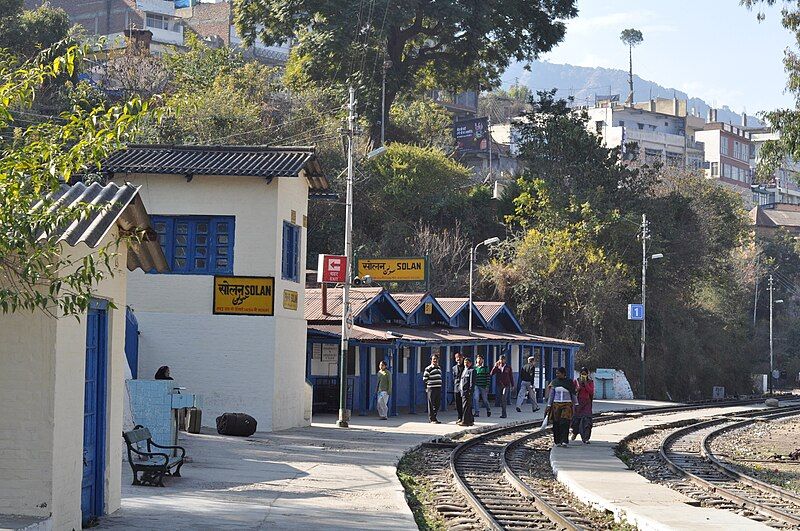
(290, 299)
(393, 269)
(244, 295)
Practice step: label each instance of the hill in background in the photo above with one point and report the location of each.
(584, 83)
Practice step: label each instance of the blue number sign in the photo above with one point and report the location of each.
(636, 312)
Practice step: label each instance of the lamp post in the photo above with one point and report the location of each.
(351, 132)
(490, 241)
(771, 357)
(645, 237)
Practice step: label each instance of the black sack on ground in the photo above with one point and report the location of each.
(239, 424)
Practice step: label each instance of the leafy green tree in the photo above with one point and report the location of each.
(503, 105)
(422, 122)
(35, 273)
(632, 37)
(455, 44)
(26, 32)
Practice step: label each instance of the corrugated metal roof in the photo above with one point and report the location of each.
(452, 305)
(114, 204)
(489, 309)
(255, 161)
(436, 335)
(360, 298)
(408, 301)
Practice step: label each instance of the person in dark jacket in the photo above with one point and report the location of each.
(456, 370)
(527, 384)
(467, 387)
(432, 380)
(505, 382)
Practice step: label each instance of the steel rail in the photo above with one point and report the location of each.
(515, 482)
(743, 501)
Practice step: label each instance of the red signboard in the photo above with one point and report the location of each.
(331, 268)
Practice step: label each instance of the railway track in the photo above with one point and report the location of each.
(489, 470)
(687, 452)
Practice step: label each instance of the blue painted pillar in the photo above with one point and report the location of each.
(395, 365)
(412, 381)
(364, 372)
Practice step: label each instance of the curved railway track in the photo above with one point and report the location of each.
(687, 451)
(489, 471)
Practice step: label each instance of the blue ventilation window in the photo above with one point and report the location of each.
(196, 245)
(290, 265)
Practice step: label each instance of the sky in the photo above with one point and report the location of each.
(712, 49)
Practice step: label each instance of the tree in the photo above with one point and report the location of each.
(501, 106)
(25, 32)
(454, 44)
(631, 37)
(786, 122)
(422, 122)
(34, 272)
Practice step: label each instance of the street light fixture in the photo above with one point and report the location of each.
(490, 241)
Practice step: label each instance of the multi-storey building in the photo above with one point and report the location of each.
(783, 187)
(727, 153)
(167, 20)
(649, 131)
(112, 18)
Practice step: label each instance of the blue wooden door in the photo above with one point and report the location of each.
(94, 413)
(132, 342)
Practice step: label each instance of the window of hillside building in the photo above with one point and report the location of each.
(290, 263)
(196, 245)
(715, 169)
(641, 126)
(154, 20)
(621, 123)
(723, 145)
(598, 126)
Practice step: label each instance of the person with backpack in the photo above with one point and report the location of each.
(505, 382)
(432, 380)
(481, 393)
(527, 384)
(560, 405)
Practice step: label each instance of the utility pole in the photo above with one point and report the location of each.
(489, 138)
(645, 236)
(770, 335)
(348, 251)
(386, 66)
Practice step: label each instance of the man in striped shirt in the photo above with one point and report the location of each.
(432, 380)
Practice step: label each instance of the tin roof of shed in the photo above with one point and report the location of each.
(114, 204)
(252, 161)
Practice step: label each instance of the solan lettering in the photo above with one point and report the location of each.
(242, 292)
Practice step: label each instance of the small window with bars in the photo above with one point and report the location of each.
(196, 245)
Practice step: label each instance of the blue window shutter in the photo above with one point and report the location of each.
(198, 248)
(296, 254)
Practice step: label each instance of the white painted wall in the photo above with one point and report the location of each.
(248, 364)
(42, 363)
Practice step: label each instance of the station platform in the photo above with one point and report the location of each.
(597, 477)
(317, 477)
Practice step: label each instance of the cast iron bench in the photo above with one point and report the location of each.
(157, 464)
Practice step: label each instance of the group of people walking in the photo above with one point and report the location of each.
(569, 402)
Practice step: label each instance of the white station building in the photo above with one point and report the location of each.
(62, 380)
(228, 319)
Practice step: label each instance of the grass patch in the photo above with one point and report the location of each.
(411, 471)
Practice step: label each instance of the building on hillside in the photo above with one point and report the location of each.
(61, 451)
(405, 329)
(783, 187)
(727, 153)
(648, 132)
(113, 18)
(769, 218)
(229, 316)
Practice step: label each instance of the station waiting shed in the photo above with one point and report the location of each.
(405, 330)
